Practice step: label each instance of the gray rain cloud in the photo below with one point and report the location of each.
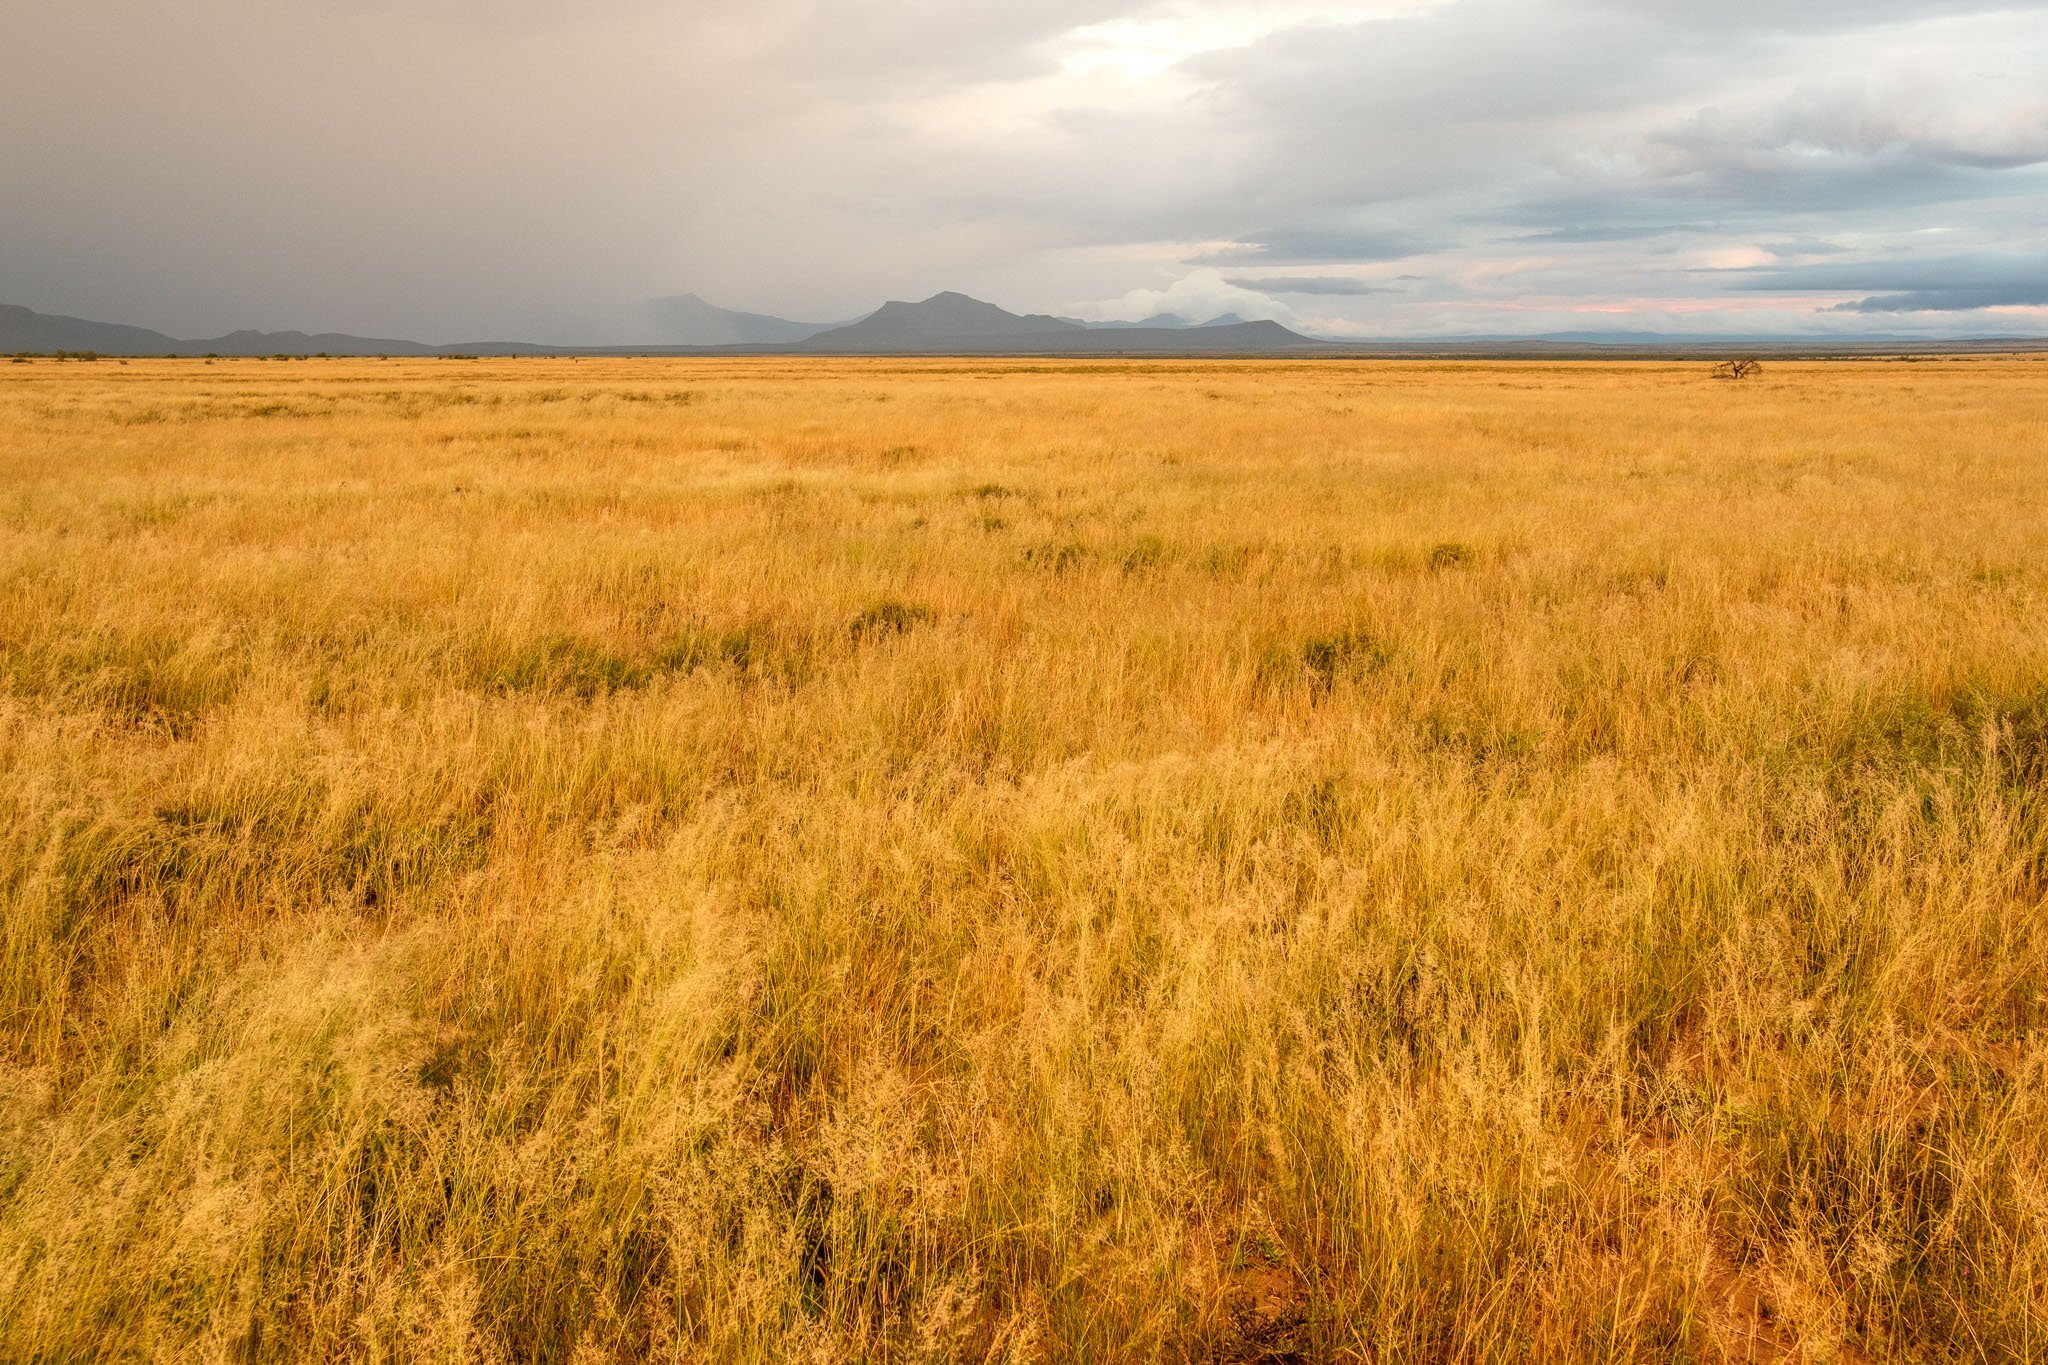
(1948, 284)
(456, 169)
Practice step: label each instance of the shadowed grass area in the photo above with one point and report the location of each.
(1225, 861)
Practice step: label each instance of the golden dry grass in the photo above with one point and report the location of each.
(773, 861)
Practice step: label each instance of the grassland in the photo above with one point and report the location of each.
(760, 861)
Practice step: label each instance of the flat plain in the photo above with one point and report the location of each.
(877, 860)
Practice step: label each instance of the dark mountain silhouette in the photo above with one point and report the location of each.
(23, 330)
(936, 319)
(247, 343)
(687, 320)
(954, 324)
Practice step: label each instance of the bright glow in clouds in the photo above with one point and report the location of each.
(1148, 44)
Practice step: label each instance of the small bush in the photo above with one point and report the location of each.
(1321, 660)
(1449, 555)
(705, 648)
(1227, 561)
(1145, 552)
(1059, 556)
(1482, 743)
(1327, 657)
(564, 664)
(889, 617)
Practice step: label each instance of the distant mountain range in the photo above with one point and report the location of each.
(25, 332)
(944, 324)
(954, 324)
(690, 320)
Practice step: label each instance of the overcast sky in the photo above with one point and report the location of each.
(510, 169)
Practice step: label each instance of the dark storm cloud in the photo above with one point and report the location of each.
(1950, 300)
(1951, 284)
